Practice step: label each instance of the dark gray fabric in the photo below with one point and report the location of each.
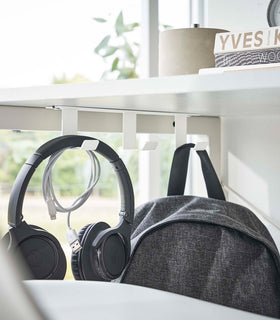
(208, 249)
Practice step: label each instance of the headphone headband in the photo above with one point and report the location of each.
(70, 141)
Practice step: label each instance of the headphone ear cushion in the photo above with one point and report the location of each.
(112, 257)
(40, 251)
(75, 256)
(84, 263)
(37, 228)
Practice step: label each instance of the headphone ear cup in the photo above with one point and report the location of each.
(40, 251)
(37, 228)
(75, 256)
(84, 263)
(104, 263)
(112, 257)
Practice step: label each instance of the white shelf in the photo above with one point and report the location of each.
(254, 92)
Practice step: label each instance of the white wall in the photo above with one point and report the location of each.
(251, 164)
(250, 145)
(235, 15)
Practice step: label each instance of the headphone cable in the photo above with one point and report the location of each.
(53, 204)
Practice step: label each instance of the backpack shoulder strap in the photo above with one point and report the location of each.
(179, 169)
(213, 185)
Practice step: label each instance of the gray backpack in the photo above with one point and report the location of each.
(206, 248)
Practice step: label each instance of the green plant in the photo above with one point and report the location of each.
(122, 52)
(77, 78)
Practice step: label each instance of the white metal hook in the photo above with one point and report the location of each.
(129, 133)
(149, 145)
(199, 146)
(180, 130)
(69, 120)
(129, 130)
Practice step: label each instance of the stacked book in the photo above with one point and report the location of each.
(247, 50)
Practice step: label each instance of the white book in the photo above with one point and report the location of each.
(226, 42)
(238, 68)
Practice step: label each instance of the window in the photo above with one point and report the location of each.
(50, 41)
(174, 14)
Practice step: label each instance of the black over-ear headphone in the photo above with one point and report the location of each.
(105, 251)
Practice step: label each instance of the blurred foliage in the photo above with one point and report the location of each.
(163, 27)
(119, 49)
(71, 171)
(77, 78)
(14, 151)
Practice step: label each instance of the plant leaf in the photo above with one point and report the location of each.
(109, 51)
(115, 64)
(130, 27)
(104, 75)
(126, 48)
(125, 73)
(133, 75)
(135, 24)
(103, 43)
(101, 20)
(119, 26)
(166, 26)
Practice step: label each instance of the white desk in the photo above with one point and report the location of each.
(230, 94)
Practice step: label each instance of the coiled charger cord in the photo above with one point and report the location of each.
(54, 205)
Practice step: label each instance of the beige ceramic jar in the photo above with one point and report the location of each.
(185, 51)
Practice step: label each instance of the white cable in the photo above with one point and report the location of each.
(53, 204)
